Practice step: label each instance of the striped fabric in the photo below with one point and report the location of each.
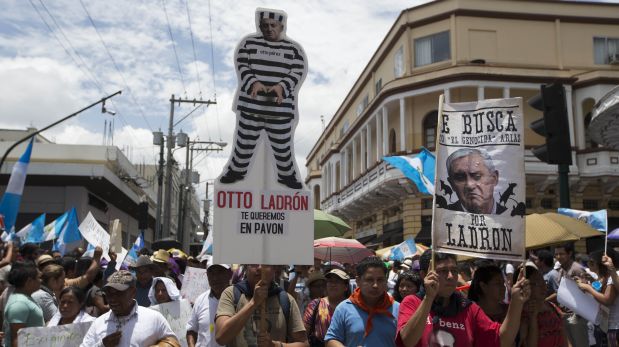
(281, 62)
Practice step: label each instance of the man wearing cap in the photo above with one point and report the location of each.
(201, 325)
(270, 68)
(127, 323)
(237, 322)
(144, 274)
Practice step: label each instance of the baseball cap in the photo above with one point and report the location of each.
(338, 273)
(161, 256)
(143, 260)
(44, 259)
(120, 280)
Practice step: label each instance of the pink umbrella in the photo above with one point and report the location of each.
(340, 250)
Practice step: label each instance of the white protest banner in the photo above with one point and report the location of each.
(177, 313)
(262, 212)
(116, 238)
(120, 257)
(480, 184)
(195, 283)
(570, 296)
(94, 233)
(69, 335)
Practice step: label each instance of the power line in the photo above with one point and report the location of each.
(210, 25)
(193, 45)
(116, 66)
(178, 64)
(85, 69)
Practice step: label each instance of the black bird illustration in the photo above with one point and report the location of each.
(440, 201)
(507, 193)
(447, 189)
(519, 210)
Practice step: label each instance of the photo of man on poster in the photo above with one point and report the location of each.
(473, 177)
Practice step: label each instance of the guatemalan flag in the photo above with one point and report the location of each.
(596, 219)
(70, 236)
(418, 168)
(33, 232)
(133, 254)
(53, 229)
(9, 206)
(207, 246)
(403, 250)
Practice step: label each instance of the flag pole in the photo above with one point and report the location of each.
(439, 125)
(606, 235)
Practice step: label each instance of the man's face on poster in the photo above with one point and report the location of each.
(270, 29)
(474, 183)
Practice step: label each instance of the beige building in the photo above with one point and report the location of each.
(467, 50)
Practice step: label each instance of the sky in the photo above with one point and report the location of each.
(59, 56)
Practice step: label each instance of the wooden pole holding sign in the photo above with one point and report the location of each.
(439, 125)
(262, 326)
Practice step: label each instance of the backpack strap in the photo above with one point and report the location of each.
(237, 296)
(284, 302)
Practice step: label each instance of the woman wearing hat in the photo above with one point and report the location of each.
(318, 314)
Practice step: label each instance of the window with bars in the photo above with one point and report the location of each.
(432, 49)
(613, 204)
(429, 130)
(547, 203)
(590, 204)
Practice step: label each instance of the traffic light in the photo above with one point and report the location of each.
(554, 126)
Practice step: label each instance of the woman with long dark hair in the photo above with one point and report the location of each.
(488, 291)
(21, 311)
(72, 303)
(408, 283)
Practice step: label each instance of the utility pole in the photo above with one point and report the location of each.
(168, 179)
(158, 140)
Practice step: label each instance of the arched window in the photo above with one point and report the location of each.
(392, 148)
(429, 130)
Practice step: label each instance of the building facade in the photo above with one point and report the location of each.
(91, 178)
(467, 50)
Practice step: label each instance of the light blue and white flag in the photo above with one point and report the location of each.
(403, 250)
(207, 246)
(53, 229)
(9, 206)
(70, 236)
(133, 254)
(32, 232)
(596, 219)
(418, 168)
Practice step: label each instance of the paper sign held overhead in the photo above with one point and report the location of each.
(116, 239)
(262, 212)
(94, 233)
(480, 184)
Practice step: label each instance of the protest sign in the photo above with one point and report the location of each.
(583, 304)
(94, 233)
(116, 238)
(69, 335)
(480, 184)
(195, 283)
(177, 313)
(262, 212)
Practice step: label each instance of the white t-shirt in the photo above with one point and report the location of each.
(202, 319)
(613, 309)
(82, 317)
(142, 327)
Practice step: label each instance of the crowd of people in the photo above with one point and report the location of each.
(425, 300)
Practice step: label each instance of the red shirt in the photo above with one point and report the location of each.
(470, 327)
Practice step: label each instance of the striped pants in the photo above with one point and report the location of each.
(279, 133)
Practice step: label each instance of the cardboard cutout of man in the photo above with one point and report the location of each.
(473, 177)
(270, 69)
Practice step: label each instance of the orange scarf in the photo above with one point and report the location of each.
(380, 308)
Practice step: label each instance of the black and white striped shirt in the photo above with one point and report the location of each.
(258, 60)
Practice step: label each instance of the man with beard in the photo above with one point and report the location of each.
(127, 323)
